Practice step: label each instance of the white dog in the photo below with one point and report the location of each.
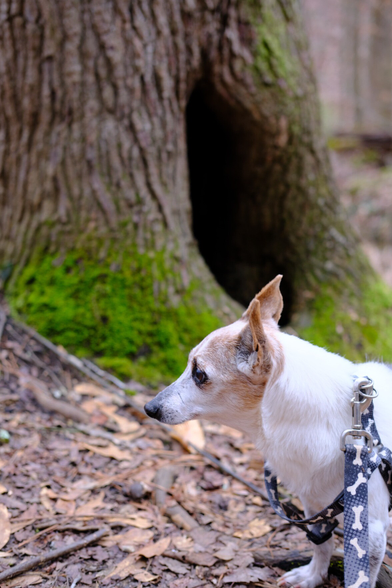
(293, 399)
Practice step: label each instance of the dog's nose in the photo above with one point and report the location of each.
(153, 409)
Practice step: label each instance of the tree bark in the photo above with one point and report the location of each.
(102, 103)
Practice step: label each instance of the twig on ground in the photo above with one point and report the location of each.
(77, 579)
(38, 560)
(191, 557)
(102, 434)
(35, 536)
(164, 479)
(106, 376)
(282, 558)
(277, 530)
(3, 320)
(218, 464)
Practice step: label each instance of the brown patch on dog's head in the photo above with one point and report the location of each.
(228, 372)
(245, 355)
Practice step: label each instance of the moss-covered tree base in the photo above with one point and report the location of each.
(136, 315)
(130, 311)
(357, 324)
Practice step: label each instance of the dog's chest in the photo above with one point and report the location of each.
(303, 452)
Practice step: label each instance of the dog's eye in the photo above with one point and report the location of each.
(199, 377)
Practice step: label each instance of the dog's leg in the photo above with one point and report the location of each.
(316, 572)
(313, 574)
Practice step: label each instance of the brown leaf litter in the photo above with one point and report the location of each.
(172, 519)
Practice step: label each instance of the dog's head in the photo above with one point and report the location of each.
(228, 371)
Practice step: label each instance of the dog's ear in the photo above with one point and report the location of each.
(253, 353)
(257, 331)
(270, 299)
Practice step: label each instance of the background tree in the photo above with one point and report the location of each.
(353, 63)
(153, 150)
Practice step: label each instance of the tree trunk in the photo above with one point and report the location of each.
(102, 104)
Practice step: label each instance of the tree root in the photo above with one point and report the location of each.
(46, 400)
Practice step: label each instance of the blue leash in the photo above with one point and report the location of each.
(360, 462)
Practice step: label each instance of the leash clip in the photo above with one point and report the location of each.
(363, 396)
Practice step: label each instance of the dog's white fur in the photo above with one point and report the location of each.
(293, 399)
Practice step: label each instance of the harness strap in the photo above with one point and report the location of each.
(324, 522)
(381, 457)
(356, 531)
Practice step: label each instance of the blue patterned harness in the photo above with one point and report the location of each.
(360, 463)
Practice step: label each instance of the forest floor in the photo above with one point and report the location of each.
(171, 518)
(83, 462)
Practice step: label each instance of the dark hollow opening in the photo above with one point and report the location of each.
(235, 208)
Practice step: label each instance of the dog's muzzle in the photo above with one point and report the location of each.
(153, 409)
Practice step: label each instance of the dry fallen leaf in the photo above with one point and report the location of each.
(30, 513)
(174, 566)
(127, 541)
(19, 524)
(91, 405)
(51, 494)
(189, 432)
(72, 495)
(3, 489)
(5, 526)
(124, 424)
(130, 567)
(204, 558)
(46, 499)
(226, 553)
(248, 575)
(5, 554)
(124, 568)
(182, 543)
(91, 506)
(23, 581)
(256, 528)
(133, 520)
(110, 451)
(155, 548)
(144, 576)
(65, 507)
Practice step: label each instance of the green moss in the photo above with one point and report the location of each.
(274, 58)
(118, 310)
(360, 327)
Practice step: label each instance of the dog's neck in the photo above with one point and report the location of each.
(310, 373)
(306, 408)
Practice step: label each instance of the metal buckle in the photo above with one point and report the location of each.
(359, 404)
(356, 433)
